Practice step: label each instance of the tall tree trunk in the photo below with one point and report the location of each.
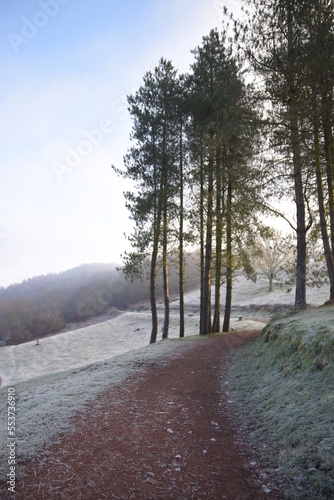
(165, 274)
(206, 306)
(300, 297)
(321, 202)
(154, 256)
(216, 318)
(165, 235)
(181, 256)
(329, 152)
(202, 197)
(153, 301)
(229, 270)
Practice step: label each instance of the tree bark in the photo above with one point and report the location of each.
(321, 202)
(329, 152)
(165, 275)
(154, 256)
(202, 196)
(153, 302)
(165, 194)
(229, 270)
(206, 306)
(300, 296)
(181, 256)
(216, 318)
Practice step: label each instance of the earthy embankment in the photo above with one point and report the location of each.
(171, 433)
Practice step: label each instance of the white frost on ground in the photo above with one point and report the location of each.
(247, 293)
(92, 344)
(46, 405)
(56, 379)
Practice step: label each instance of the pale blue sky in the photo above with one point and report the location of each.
(67, 66)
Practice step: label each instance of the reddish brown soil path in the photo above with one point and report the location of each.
(169, 434)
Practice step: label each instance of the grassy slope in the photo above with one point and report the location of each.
(283, 385)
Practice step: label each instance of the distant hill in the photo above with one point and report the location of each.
(45, 304)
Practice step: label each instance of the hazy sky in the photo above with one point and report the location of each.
(67, 67)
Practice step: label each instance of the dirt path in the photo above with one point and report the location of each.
(169, 434)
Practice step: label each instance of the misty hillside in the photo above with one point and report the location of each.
(45, 304)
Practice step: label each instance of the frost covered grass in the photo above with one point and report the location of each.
(92, 344)
(46, 405)
(253, 299)
(54, 380)
(284, 387)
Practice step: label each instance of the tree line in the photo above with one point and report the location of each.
(213, 150)
(291, 46)
(44, 305)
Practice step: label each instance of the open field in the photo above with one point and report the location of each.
(55, 380)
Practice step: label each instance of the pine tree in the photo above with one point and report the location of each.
(150, 163)
(207, 79)
(319, 82)
(274, 39)
(228, 126)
